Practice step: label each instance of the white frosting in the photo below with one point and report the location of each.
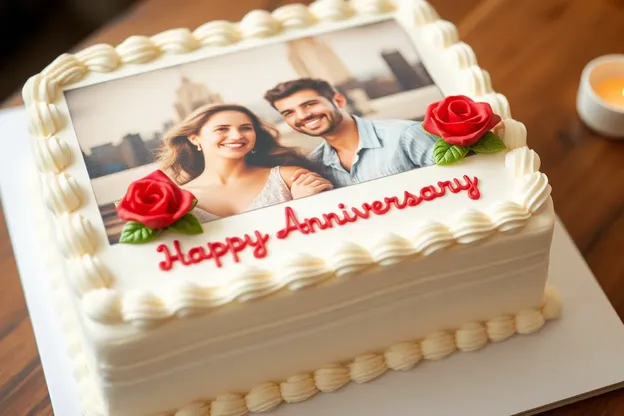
(193, 409)
(143, 307)
(75, 235)
(500, 106)
(522, 193)
(471, 226)
(61, 192)
(263, 397)
(461, 55)
(217, 33)
(292, 16)
(509, 216)
(533, 191)
(51, 154)
(184, 299)
(403, 356)
(432, 237)
(522, 161)
(64, 70)
(372, 6)
(88, 273)
(423, 13)
(251, 283)
(175, 41)
(137, 50)
(44, 119)
(442, 34)
(298, 388)
(39, 88)
(476, 81)
(331, 377)
(331, 10)
(259, 24)
(303, 270)
(391, 249)
(99, 58)
(102, 305)
(350, 258)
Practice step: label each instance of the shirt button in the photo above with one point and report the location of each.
(353, 180)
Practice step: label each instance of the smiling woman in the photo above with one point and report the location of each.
(232, 162)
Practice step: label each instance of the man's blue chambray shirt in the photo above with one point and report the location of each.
(386, 147)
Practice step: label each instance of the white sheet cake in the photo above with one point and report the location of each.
(169, 314)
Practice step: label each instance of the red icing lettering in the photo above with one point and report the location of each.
(233, 246)
(328, 220)
(259, 245)
(214, 250)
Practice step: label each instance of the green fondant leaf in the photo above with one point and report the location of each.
(136, 233)
(194, 204)
(445, 153)
(117, 202)
(489, 143)
(188, 224)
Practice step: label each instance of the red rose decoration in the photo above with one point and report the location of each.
(460, 121)
(155, 201)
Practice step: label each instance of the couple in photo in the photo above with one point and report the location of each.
(232, 162)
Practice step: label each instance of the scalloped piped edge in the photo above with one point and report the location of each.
(110, 307)
(471, 336)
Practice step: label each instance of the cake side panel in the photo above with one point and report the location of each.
(306, 342)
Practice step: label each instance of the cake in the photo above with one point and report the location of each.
(169, 312)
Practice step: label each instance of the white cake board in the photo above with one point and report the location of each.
(569, 359)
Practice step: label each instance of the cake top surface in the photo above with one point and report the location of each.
(189, 170)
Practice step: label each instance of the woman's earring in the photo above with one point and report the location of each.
(253, 150)
(198, 147)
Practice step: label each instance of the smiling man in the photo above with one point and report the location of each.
(354, 149)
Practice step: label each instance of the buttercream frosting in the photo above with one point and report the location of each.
(217, 33)
(175, 41)
(294, 16)
(403, 356)
(104, 304)
(331, 10)
(137, 50)
(263, 397)
(298, 388)
(350, 258)
(259, 24)
(331, 377)
(51, 154)
(99, 58)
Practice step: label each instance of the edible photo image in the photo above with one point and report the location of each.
(258, 127)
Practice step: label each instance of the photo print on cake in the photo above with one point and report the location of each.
(260, 126)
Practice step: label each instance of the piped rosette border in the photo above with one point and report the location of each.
(403, 356)
(66, 196)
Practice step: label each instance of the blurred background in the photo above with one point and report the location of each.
(35, 32)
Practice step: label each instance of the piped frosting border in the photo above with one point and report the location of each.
(95, 285)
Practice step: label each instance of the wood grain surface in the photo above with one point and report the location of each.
(533, 49)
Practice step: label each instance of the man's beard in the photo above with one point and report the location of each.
(334, 118)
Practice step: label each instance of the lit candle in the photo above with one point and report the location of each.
(600, 98)
(611, 90)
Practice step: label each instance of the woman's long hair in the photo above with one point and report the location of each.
(181, 159)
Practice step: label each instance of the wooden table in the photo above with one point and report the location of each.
(534, 50)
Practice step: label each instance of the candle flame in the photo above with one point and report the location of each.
(623, 91)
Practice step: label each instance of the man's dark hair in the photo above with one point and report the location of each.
(288, 88)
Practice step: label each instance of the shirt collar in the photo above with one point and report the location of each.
(367, 140)
(366, 132)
